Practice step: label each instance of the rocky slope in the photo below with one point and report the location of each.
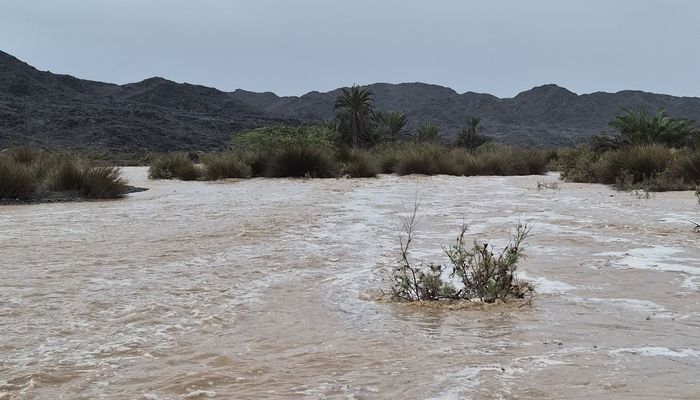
(59, 111)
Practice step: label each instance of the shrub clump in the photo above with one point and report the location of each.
(26, 174)
(66, 175)
(481, 272)
(423, 159)
(173, 166)
(303, 161)
(227, 165)
(650, 167)
(356, 163)
(641, 162)
(103, 182)
(71, 174)
(16, 179)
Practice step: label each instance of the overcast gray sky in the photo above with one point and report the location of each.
(293, 46)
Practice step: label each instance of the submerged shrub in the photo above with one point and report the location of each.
(482, 273)
(302, 161)
(16, 179)
(173, 166)
(227, 165)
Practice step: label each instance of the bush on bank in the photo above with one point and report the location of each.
(652, 167)
(296, 160)
(26, 174)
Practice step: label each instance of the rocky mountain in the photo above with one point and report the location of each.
(59, 111)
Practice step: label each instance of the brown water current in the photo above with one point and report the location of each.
(262, 289)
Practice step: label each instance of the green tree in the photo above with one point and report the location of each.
(355, 107)
(390, 126)
(640, 127)
(470, 136)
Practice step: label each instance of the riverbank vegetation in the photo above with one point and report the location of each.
(315, 162)
(28, 175)
(357, 143)
(652, 152)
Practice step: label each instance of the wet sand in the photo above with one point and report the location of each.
(262, 289)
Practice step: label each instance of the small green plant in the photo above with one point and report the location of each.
(482, 272)
(173, 166)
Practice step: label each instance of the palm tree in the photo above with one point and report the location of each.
(640, 127)
(470, 136)
(357, 106)
(427, 133)
(390, 125)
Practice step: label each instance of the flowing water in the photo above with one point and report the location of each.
(263, 289)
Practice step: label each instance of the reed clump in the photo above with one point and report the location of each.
(27, 174)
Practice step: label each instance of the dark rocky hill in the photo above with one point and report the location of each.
(59, 111)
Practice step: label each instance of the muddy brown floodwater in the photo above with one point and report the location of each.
(261, 289)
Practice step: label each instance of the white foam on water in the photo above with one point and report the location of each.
(657, 352)
(543, 362)
(545, 285)
(660, 258)
(636, 305)
(468, 378)
(195, 394)
(691, 282)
